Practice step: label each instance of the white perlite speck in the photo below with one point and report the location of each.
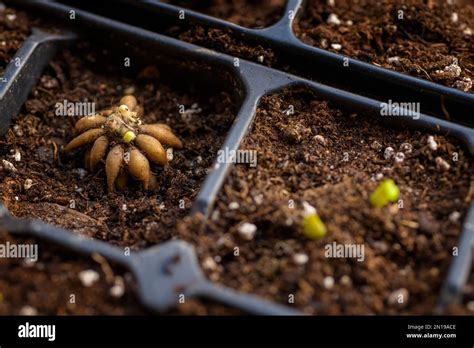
(442, 164)
(320, 139)
(17, 130)
(28, 183)
(169, 154)
(258, 199)
(247, 231)
(406, 148)
(209, 264)
(8, 166)
(28, 311)
(399, 157)
(118, 289)
(376, 145)
(234, 205)
(452, 69)
(398, 297)
(336, 46)
(300, 258)
(454, 216)
(17, 155)
(388, 153)
(393, 60)
(328, 283)
(454, 17)
(333, 19)
(215, 215)
(470, 306)
(464, 84)
(432, 144)
(346, 280)
(260, 59)
(88, 277)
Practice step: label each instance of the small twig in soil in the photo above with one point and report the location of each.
(105, 266)
(44, 90)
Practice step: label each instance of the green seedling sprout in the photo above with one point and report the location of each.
(313, 226)
(385, 193)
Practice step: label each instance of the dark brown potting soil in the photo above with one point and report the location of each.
(62, 192)
(251, 14)
(334, 160)
(432, 39)
(247, 13)
(53, 286)
(406, 250)
(329, 158)
(14, 28)
(223, 41)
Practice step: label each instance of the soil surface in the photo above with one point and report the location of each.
(251, 14)
(318, 154)
(334, 161)
(224, 41)
(328, 158)
(53, 286)
(432, 39)
(131, 217)
(60, 191)
(246, 13)
(14, 28)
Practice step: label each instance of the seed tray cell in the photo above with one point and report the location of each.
(21, 74)
(45, 287)
(428, 40)
(15, 28)
(61, 181)
(287, 52)
(175, 260)
(246, 13)
(335, 171)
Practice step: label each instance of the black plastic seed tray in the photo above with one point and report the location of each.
(21, 74)
(170, 269)
(314, 63)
